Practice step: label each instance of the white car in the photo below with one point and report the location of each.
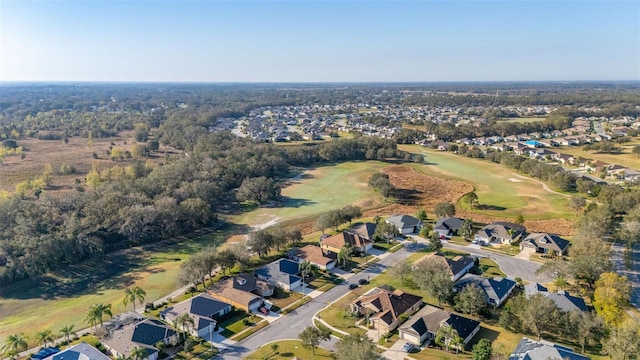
(407, 347)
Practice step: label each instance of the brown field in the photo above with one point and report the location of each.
(39, 153)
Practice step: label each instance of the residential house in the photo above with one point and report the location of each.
(203, 309)
(528, 349)
(500, 232)
(325, 260)
(496, 290)
(545, 243)
(406, 224)
(282, 273)
(563, 300)
(448, 226)
(242, 291)
(335, 242)
(426, 323)
(542, 154)
(458, 266)
(364, 230)
(81, 351)
(564, 159)
(45, 353)
(145, 334)
(629, 175)
(385, 308)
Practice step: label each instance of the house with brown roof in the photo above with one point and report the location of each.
(335, 243)
(325, 260)
(426, 323)
(385, 308)
(242, 291)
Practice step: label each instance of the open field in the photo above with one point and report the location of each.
(501, 194)
(625, 158)
(288, 349)
(77, 153)
(63, 297)
(319, 190)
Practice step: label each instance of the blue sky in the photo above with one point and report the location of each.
(319, 41)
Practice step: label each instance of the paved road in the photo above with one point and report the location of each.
(289, 326)
(617, 255)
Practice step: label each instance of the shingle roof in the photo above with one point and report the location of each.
(528, 349)
(313, 254)
(365, 230)
(546, 241)
(282, 271)
(430, 318)
(448, 223)
(237, 289)
(563, 300)
(388, 305)
(494, 288)
(455, 265)
(462, 325)
(345, 237)
(81, 351)
(403, 221)
(206, 306)
(145, 333)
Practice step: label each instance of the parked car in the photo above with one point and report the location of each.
(363, 281)
(352, 286)
(407, 347)
(264, 310)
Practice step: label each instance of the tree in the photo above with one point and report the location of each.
(345, 254)
(293, 235)
(421, 215)
(183, 322)
(611, 297)
(226, 260)
(482, 350)
(448, 336)
(381, 183)
(350, 212)
(44, 337)
(471, 198)
(274, 348)
(445, 209)
(519, 219)
(323, 222)
(401, 268)
(435, 244)
(576, 203)
(624, 341)
(96, 314)
(539, 315)
(67, 331)
(259, 189)
(307, 269)
(590, 257)
(585, 327)
(311, 337)
(466, 229)
(386, 231)
(133, 294)
(470, 300)
(13, 344)
(636, 150)
(434, 278)
(260, 242)
(356, 347)
(138, 353)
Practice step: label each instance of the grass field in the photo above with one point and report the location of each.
(64, 296)
(500, 193)
(625, 158)
(289, 349)
(319, 190)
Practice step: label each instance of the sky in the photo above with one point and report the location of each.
(319, 41)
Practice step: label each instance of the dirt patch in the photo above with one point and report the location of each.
(561, 227)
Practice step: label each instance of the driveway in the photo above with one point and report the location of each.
(526, 253)
(395, 351)
(219, 341)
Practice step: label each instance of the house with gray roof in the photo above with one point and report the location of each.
(426, 323)
(500, 232)
(406, 224)
(448, 226)
(545, 243)
(203, 309)
(496, 290)
(528, 349)
(145, 334)
(282, 273)
(563, 300)
(81, 351)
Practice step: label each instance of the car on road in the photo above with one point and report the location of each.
(352, 286)
(363, 282)
(407, 347)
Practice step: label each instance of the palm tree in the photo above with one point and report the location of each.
(96, 313)
(466, 229)
(344, 255)
(43, 337)
(183, 322)
(67, 331)
(13, 344)
(449, 336)
(133, 294)
(138, 353)
(307, 269)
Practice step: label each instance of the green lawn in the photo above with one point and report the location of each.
(320, 190)
(500, 192)
(289, 349)
(337, 314)
(282, 298)
(490, 268)
(626, 157)
(237, 321)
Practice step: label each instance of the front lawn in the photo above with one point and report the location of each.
(338, 315)
(282, 298)
(289, 349)
(236, 321)
(490, 268)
